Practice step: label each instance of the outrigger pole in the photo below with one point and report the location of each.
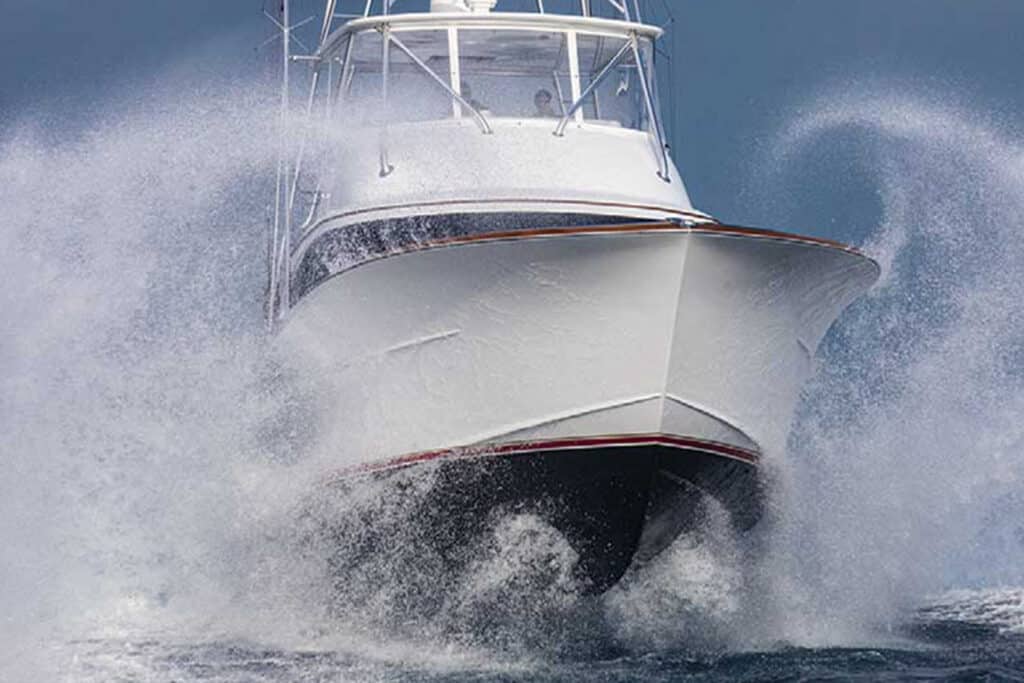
(286, 185)
(280, 253)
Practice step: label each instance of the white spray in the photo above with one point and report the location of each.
(143, 485)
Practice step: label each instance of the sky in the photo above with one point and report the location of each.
(741, 68)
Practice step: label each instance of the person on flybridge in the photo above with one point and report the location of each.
(542, 103)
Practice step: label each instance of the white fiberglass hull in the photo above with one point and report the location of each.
(650, 329)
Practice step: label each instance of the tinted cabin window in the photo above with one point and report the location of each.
(618, 99)
(361, 87)
(504, 73)
(414, 95)
(504, 70)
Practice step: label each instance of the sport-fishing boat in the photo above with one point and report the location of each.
(486, 254)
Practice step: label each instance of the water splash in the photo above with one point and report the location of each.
(130, 283)
(152, 442)
(907, 458)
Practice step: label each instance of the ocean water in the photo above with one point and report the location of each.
(158, 459)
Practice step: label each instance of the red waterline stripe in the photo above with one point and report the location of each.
(578, 443)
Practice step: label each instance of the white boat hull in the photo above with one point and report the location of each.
(610, 377)
(702, 333)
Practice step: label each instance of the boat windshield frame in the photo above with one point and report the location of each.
(637, 45)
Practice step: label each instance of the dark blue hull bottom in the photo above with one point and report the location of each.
(615, 505)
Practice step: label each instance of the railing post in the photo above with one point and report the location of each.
(573, 54)
(454, 70)
(385, 166)
(282, 215)
(652, 112)
(347, 71)
(325, 28)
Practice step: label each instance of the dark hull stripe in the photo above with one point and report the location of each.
(573, 443)
(696, 215)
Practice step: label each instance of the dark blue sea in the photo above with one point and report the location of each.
(937, 651)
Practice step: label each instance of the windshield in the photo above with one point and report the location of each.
(504, 73)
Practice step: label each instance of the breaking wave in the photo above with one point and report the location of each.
(904, 471)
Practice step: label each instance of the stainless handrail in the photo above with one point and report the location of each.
(385, 166)
(652, 112)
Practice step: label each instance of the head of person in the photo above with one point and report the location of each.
(542, 100)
